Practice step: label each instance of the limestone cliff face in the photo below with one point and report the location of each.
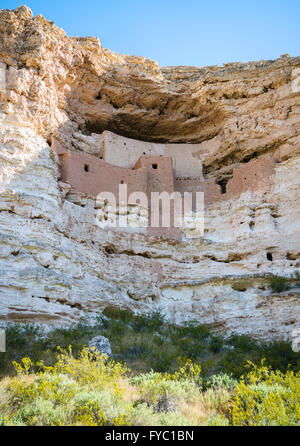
(56, 264)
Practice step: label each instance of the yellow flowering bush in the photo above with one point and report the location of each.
(93, 390)
(188, 371)
(69, 392)
(90, 368)
(266, 398)
(100, 408)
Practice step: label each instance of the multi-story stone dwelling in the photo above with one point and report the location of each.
(154, 167)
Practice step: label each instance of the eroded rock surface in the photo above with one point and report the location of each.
(56, 264)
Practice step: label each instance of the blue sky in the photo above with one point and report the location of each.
(181, 32)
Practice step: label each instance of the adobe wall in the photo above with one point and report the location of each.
(160, 173)
(189, 184)
(255, 176)
(212, 192)
(100, 177)
(160, 179)
(124, 152)
(185, 164)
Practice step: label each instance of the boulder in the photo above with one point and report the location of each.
(101, 344)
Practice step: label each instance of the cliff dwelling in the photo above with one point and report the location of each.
(154, 167)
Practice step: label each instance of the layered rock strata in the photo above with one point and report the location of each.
(57, 265)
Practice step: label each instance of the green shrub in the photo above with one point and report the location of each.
(148, 322)
(42, 413)
(280, 356)
(193, 330)
(217, 420)
(144, 415)
(279, 284)
(242, 343)
(216, 344)
(155, 387)
(221, 380)
(162, 359)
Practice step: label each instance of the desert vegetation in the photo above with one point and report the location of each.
(160, 374)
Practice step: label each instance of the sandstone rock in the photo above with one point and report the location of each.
(101, 344)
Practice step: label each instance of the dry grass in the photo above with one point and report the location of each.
(130, 393)
(210, 404)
